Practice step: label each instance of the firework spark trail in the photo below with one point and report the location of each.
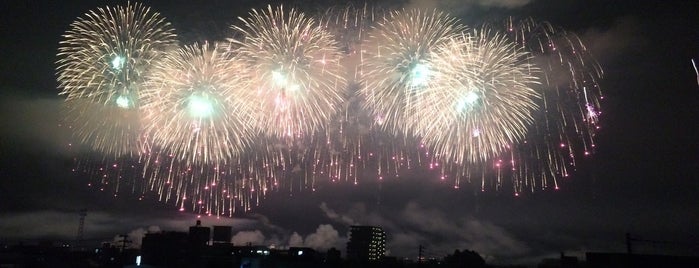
(204, 189)
(568, 122)
(397, 68)
(112, 130)
(694, 64)
(102, 59)
(480, 99)
(297, 75)
(208, 189)
(349, 25)
(197, 105)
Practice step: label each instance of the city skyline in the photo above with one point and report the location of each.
(642, 179)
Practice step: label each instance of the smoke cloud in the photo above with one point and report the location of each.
(324, 238)
(249, 237)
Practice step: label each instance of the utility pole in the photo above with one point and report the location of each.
(419, 255)
(628, 244)
(124, 242)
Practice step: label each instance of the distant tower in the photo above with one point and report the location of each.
(81, 229)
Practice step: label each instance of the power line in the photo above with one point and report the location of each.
(630, 241)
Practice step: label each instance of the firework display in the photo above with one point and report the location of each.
(197, 104)
(103, 58)
(480, 99)
(297, 75)
(290, 102)
(398, 65)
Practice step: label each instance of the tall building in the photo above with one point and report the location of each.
(366, 243)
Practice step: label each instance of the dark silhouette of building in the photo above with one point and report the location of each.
(219, 254)
(222, 234)
(252, 256)
(199, 235)
(333, 257)
(297, 257)
(465, 258)
(165, 249)
(44, 255)
(625, 260)
(366, 243)
(563, 262)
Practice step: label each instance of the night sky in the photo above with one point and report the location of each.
(643, 179)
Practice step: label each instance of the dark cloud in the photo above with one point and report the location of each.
(415, 224)
(331, 214)
(31, 122)
(455, 6)
(99, 225)
(44, 224)
(624, 36)
(462, 231)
